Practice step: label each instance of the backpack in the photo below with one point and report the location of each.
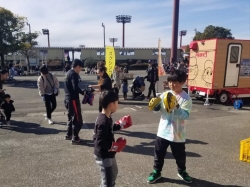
(56, 94)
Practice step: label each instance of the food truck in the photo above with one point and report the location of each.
(220, 69)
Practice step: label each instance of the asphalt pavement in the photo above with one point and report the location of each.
(35, 154)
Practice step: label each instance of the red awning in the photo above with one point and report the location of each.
(193, 46)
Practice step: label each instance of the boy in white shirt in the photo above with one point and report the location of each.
(175, 107)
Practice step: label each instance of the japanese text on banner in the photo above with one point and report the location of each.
(110, 60)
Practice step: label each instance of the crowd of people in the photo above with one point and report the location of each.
(171, 131)
(174, 105)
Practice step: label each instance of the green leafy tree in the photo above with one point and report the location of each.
(213, 32)
(10, 26)
(187, 50)
(90, 62)
(26, 44)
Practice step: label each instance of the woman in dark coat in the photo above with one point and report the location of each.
(152, 77)
(104, 83)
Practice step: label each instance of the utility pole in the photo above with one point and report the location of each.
(175, 31)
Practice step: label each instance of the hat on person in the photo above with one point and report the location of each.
(77, 62)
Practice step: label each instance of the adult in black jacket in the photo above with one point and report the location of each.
(104, 83)
(72, 102)
(152, 77)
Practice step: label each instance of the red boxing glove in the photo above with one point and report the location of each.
(119, 145)
(125, 122)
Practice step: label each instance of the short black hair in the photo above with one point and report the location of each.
(76, 63)
(44, 70)
(107, 97)
(4, 71)
(177, 76)
(6, 96)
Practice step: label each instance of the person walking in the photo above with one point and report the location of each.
(66, 68)
(72, 102)
(152, 77)
(3, 76)
(48, 87)
(116, 78)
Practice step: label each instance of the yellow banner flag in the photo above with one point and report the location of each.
(110, 59)
(161, 71)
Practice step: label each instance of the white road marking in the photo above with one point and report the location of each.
(131, 109)
(138, 106)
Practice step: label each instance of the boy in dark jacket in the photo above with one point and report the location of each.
(105, 146)
(8, 108)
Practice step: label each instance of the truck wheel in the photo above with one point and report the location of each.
(223, 97)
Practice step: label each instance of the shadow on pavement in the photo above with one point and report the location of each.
(24, 127)
(133, 102)
(147, 135)
(148, 149)
(33, 84)
(196, 182)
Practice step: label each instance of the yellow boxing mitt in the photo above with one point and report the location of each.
(154, 104)
(169, 101)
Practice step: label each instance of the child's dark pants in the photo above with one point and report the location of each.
(178, 151)
(8, 115)
(50, 104)
(151, 88)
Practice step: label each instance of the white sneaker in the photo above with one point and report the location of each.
(50, 121)
(45, 115)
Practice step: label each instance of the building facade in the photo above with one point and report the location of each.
(58, 55)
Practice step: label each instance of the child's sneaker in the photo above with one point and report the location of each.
(68, 137)
(7, 122)
(154, 176)
(77, 142)
(184, 176)
(45, 115)
(50, 122)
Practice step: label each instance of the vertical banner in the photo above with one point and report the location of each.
(110, 59)
(161, 71)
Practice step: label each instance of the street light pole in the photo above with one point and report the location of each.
(182, 33)
(46, 32)
(29, 31)
(48, 39)
(123, 19)
(113, 40)
(103, 34)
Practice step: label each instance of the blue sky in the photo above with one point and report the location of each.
(78, 22)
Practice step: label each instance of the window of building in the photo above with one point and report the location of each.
(100, 53)
(155, 53)
(163, 53)
(123, 53)
(131, 53)
(234, 54)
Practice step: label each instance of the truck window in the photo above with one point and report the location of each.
(234, 54)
